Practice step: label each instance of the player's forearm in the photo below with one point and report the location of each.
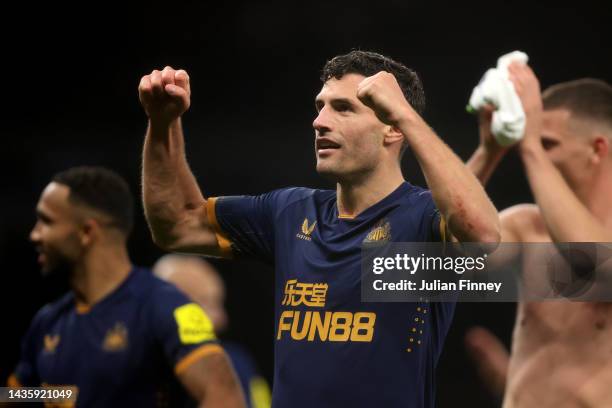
(223, 399)
(549, 189)
(458, 194)
(170, 190)
(213, 383)
(484, 162)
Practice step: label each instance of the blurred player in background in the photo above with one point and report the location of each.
(331, 349)
(561, 350)
(121, 336)
(200, 281)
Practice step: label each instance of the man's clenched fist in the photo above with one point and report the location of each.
(382, 94)
(165, 95)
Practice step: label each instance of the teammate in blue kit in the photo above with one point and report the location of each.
(121, 337)
(331, 349)
(200, 281)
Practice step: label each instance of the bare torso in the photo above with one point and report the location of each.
(561, 350)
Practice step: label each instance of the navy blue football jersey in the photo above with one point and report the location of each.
(126, 350)
(332, 349)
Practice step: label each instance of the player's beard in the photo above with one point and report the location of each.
(61, 269)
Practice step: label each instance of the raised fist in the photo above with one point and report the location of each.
(528, 89)
(382, 94)
(165, 95)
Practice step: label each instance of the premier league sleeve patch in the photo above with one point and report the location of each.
(194, 326)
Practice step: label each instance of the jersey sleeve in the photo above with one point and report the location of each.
(433, 224)
(245, 225)
(26, 373)
(182, 328)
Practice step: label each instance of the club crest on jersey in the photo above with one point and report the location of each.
(306, 230)
(51, 342)
(380, 233)
(116, 338)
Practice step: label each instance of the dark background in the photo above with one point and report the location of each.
(69, 84)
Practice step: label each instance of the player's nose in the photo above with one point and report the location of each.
(35, 234)
(322, 123)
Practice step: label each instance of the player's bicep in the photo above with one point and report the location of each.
(211, 380)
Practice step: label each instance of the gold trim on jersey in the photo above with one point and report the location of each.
(13, 382)
(195, 355)
(225, 245)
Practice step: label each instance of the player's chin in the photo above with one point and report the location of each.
(47, 268)
(327, 168)
(55, 266)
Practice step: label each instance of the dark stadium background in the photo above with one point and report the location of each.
(69, 89)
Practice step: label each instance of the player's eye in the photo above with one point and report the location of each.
(43, 218)
(343, 107)
(548, 143)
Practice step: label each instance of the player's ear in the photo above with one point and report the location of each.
(89, 230)
(601, 149)
(393, 135)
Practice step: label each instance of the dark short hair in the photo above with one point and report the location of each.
(589, 99)
(100, 189)
(368, 63)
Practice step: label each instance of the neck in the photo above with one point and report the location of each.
(356, 195)
(102, 270)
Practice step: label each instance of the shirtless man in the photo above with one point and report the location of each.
(561, 350)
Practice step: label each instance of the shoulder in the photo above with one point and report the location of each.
(291, 195)
(522, 220)
(157, 297)
(294, 196)
(521, 215)
(159, 293)
(50, 312)
(275, 199)
(415, 194)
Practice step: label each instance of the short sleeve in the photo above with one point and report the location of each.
(245, 224)
(433, 223)
(182, 328)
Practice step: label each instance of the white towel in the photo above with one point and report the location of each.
(495, 88)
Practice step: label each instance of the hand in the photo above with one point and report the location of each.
(527, 88)
(165, 95)
(383, 95)
(487, 141)
(490, 357)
